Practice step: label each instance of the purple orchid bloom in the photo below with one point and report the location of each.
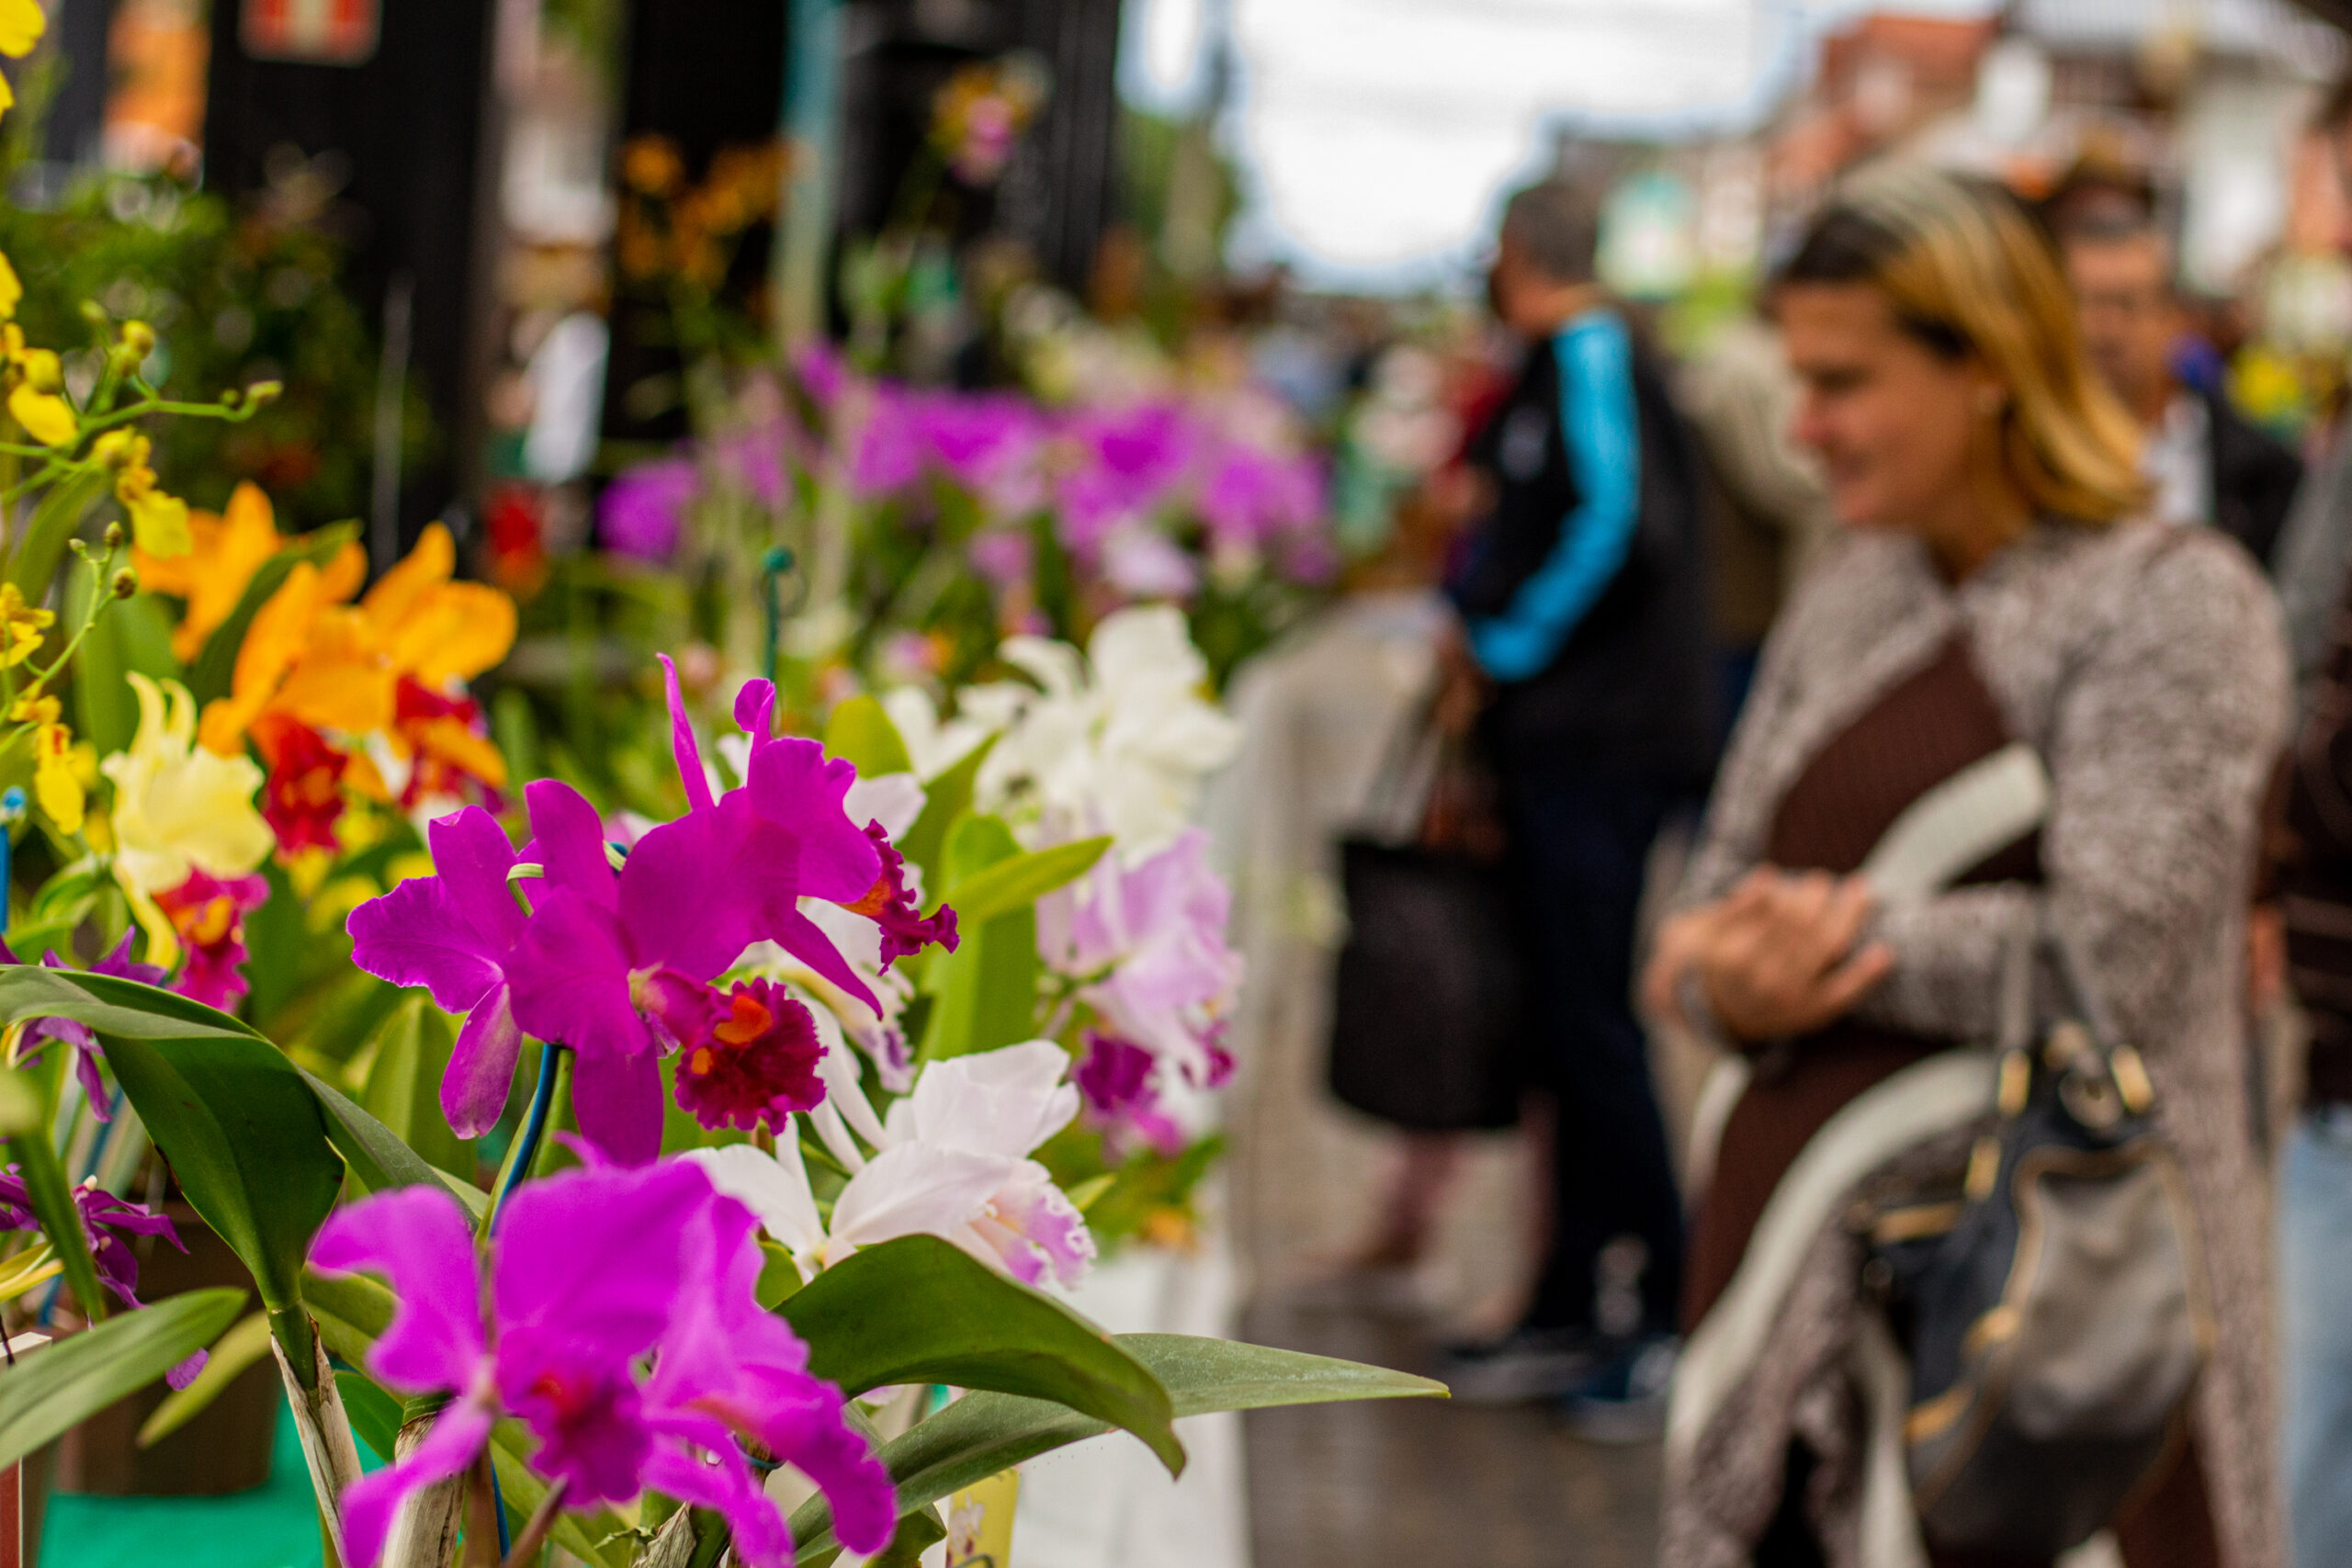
(210, 913)
(1130, 459)
(1119, 1081)
(754, 1060)
(727, 1369)
(454, 933)
(107, 1222)
(590, 1271)
(1148, 943)
(643, 512)
(77, 1035)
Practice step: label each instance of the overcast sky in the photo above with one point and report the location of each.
(1374, 135)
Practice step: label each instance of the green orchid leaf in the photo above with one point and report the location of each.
(919, 1309)
(216, 665)
(57, 1386)
(946, 800)
(413, 1049)
(862, 734)
(982, 1434)
(243, 1131)
(984, 994)
(376, 1158)
(375, 1415)
(352, 1310)
(246, 1342)
(1020, 882)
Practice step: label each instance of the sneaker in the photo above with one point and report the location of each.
(1526, 1363)
(1623, 1400)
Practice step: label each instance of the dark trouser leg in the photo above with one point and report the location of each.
(1581, 845)
(2170, 1525)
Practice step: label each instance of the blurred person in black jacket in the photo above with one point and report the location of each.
(2207, 463)
(1584, 645)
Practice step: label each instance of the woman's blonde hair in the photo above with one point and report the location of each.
(1968, 271)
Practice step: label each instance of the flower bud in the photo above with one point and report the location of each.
(115, 537)
(263, 393)
(126, 584)
(139, 337)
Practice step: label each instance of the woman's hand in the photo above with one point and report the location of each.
(1776, 956)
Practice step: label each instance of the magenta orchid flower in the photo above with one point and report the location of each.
(107, 1225)
(591, 1272)
(77, 1036)
(210, 913)
(1119, 1081)
(454, 933)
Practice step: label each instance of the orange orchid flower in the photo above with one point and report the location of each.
(228, 548)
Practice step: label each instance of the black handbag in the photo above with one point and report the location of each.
(1425, 1015)
(2054, 1307)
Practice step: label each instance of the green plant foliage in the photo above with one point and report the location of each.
(412, 1048)
(243, 1131)
(918, 1310)
(376, 1158)
(375, 1415)
(61, 1219)
(1019, 882)
(60, 1385)
(984, 994)
(245, 1343)
(134, 635)
(982, 1434)
(861, 734)
(946, 800)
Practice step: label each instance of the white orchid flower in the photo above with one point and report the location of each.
(951, 1160)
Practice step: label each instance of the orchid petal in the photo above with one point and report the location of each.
(570, 978)
(472, 858)
(592, 1256)
(1005, 1101)
(372, 1502)
(416, 935)
(618, 1102)
(480, 1073)
(725, 1484)
(755, 710)
(418, 1239)
(687, 890)
(570, 839)
(681, 742)
(917, 1190)
(801, 937)
(795, 785)
(838, 1067)
(774, 1187)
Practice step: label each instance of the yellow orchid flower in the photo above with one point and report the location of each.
(12, 290)
(225, 550)
(21, 25)
(21, 626)
(159, 522)
(57, 780)
(177, 808)
(47, 418)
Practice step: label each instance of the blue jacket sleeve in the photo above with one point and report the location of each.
(1599, 419)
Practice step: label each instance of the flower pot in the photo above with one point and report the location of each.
(226, 1447)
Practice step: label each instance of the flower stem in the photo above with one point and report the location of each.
(535, 1533)
(527, 1137)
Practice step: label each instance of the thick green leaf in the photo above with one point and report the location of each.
(351, 1310)
(60, 1385)
(985, 993)
(209, 676)
(403, 1092)
(61, 1219)
(246, 1342)
(375, 1415)
(19, 1101)
(947, 799)
(984, 1433)
(1020, 882)
(862, 734)
(243, 1131)
(918, 1310)
(378, 1160)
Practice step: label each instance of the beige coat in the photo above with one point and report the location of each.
(2147, 666)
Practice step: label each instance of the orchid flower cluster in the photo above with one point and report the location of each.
(1154, 495)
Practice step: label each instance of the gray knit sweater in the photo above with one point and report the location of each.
(2147, 665)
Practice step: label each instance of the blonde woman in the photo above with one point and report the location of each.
(1987, 586)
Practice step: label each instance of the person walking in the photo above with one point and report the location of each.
(1584, 629)
(1991, 585)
